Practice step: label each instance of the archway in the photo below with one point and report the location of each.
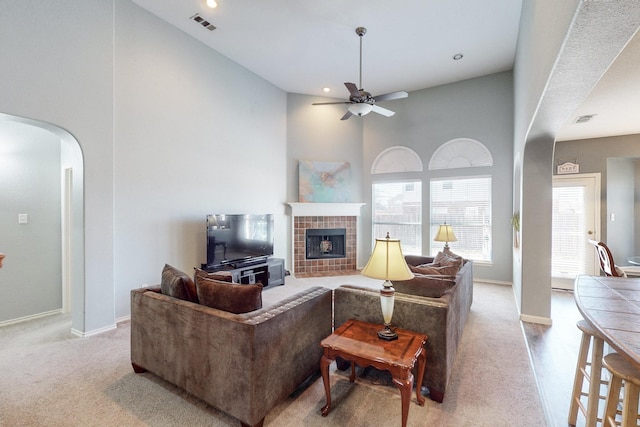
(71, 173)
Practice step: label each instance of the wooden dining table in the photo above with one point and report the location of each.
(612, 306)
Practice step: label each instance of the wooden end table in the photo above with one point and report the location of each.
(358, 343)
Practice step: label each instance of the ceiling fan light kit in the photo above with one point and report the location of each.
(360, 109)
(360, 101)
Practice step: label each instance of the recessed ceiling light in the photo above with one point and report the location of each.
(458, 56)
(211, 3)
(326, 89)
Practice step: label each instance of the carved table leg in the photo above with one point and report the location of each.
(352, 378)
(324, 369)
(422, 361)
(404, 385)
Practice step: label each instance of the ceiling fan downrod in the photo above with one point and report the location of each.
(361, 31)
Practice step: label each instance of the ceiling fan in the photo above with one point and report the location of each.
(360, 101)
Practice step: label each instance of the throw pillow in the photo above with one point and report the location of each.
(456, 257)
(230, 297)
(177, 284)
(224, 276)
(448, 259)
(432, 286)
(430, 269)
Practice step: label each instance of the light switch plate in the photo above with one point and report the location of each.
(23, 218)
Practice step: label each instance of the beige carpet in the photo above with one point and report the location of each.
(50, 378)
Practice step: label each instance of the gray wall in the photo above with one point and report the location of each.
(157, 156)
(616, 159)
(194, 134)
(315, 132)
(30, 281)
(59, 69)
(557, 64)
(543, 27)
(481, 109)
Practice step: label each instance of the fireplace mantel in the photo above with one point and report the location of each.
(325, 209)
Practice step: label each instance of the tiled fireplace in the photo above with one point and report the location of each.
(317, 247)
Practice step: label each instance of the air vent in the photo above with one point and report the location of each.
(584, 119)
(200, 20)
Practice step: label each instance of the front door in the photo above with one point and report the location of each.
(576, 219)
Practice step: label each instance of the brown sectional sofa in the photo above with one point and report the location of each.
(242, 364)
(442, 319)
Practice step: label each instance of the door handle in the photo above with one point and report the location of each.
(589, 232)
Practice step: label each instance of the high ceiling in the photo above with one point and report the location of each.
(302, 46)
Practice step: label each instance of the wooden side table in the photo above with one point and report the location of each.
(358, 343)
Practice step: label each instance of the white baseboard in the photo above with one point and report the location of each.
(536, 319)
(493, 282)
(31, 317)
(123, 319)
(94, 332)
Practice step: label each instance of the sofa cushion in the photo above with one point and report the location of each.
(234, 298)
(177, 284)
(223, 276)
(433, 286)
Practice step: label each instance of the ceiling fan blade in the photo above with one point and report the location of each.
(346, 115)
(331, 103)
(390, 96)
(353, 89)
(383, 111)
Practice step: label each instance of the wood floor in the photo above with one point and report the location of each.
(554, 352)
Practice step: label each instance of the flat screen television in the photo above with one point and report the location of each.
(238, 239)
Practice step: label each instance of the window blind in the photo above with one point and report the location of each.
(397, 209)
(465, 203)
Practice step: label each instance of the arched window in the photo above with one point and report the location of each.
(397, 159)
(461, 153)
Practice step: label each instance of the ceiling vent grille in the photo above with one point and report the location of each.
(584, 119)
(200, 20)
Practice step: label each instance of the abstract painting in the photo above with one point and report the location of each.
(324, 182)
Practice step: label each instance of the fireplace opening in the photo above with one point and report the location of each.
(326, 243)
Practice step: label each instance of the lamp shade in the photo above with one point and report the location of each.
(387, 261)
(360, 109)
(445, 234)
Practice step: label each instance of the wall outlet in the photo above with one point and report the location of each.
(23, 218)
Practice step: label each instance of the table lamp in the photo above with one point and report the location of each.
(445, 234)
(387, 263)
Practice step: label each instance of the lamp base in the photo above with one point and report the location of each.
(387, 334)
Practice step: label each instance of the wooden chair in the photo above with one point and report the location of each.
(607, 265)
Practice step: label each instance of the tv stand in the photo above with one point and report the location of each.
(268, 271)
(248, 263)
